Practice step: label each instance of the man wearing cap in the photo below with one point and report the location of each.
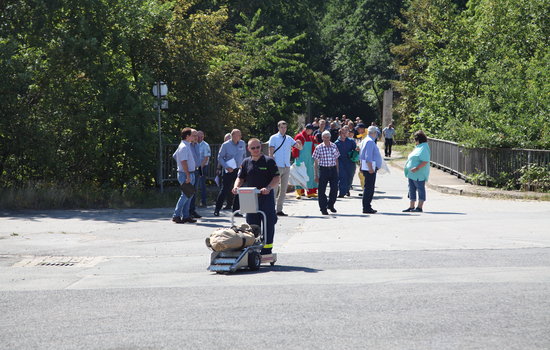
(280, 146)
(326, 171)
(371, 160)
(303, 156)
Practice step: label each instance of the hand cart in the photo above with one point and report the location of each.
(249, 257)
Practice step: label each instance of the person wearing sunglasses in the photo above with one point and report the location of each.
(261, 172)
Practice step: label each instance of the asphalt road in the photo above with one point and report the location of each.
(468, 273)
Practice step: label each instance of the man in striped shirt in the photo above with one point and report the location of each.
(326, 171)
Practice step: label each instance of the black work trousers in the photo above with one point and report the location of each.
(387, 147)
(368, 191)
(266, 203)
(327, 175)
(228, 181)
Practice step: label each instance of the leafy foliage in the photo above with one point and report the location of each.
(357, 36)
(76, 108)
(477, 75)
(266, 74)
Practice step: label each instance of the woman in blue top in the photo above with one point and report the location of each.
(417, 170)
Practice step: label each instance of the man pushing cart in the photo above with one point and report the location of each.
(261, 172)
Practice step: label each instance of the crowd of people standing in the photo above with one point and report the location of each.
(332, 151)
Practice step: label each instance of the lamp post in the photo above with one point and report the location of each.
(160, 89)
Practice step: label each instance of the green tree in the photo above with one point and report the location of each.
(475, 75)
(267, 73)
(358, 36)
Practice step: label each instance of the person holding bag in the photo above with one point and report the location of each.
(280, 146)
(186, 176)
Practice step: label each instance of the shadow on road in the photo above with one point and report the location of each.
(400, 214)
(203, 224)
(277, 268)
(419, 214)
(313, 216)
(351, 215)
(443, 212)
(387, 197)
(110, 215)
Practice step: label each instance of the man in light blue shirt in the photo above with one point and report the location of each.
(280, 146)
(196, 153)
(371, 160)
(186, 174)
(388, 133)
(204, 154)
(230, 157)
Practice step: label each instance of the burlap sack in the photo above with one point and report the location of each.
(228, 239)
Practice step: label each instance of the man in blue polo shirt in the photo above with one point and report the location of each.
(280, 146)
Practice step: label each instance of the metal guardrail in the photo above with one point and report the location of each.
(451, 156)
(170, 169)
(464, 161)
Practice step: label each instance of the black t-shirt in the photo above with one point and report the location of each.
(334, 134)
(258, 173)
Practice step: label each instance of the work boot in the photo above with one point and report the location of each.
(177, 220)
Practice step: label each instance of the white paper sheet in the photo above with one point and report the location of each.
(231, 163)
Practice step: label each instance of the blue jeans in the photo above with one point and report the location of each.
(182, 207)
(414, 186)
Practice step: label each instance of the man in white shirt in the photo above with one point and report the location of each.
(186, 174)
(280, 146)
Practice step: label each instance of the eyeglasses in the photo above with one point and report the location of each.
(253, 148)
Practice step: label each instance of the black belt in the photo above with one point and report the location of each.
(328, 167)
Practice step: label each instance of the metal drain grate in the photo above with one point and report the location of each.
(60, 261)
(56, 264)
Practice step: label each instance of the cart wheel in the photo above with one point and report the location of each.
(254, 261)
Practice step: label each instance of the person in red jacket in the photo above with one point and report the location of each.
(304, 156)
